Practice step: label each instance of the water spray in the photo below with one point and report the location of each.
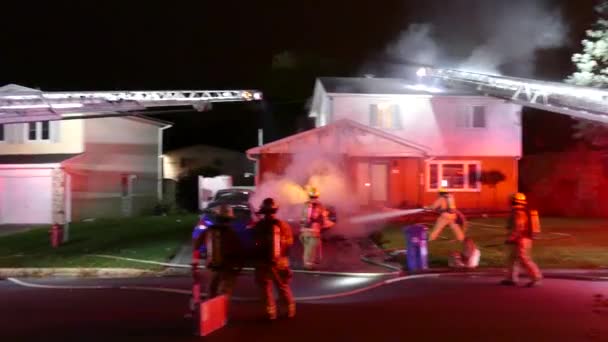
(384, 216)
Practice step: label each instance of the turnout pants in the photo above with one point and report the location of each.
(265, 277)
(222, 281)
(519, 254)
(311, 243)
(446, 219)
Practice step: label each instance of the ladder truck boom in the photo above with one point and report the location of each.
(20, 104)
(576, 101)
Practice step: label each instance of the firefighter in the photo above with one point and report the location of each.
(446, 207)
(519, 241)
(224, 252)
(273, 239)
(311, 224)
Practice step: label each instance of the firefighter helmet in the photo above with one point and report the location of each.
(443, 191)
(225, 211)
(518, 198)
(268, 206)
(313, 192)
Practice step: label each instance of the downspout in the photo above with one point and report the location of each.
(422, 177)
(160, 161)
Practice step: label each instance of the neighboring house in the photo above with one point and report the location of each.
(399, 141)
(226, 162)
(62, 171)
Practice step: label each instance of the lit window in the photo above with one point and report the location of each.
(385, 116)
(40, 130)
(458, 175)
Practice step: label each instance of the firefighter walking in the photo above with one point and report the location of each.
(273, 238)
(523, 224)
(445, 205)
(224, 253)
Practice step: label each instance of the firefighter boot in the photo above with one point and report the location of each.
(291, 310)
(534, 283)
(508, 282)
(271, 311)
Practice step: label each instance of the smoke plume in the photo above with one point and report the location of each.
(483, 36)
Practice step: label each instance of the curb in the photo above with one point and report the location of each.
(75, 272)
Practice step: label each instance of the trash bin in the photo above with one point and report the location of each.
(416, 237)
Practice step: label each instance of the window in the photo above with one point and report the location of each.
(40, 130)
(479, 117)
(1, 132)
(459, 175)
(385, 116)
(474, 117)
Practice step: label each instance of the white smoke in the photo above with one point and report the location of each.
(324, 170)
(499, 33)
(416, 45)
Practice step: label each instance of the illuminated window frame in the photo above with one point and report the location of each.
(467, 186)
(38, 130)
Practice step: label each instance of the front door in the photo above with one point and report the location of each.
(372, 183)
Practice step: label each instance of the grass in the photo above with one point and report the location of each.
(585, 246)
(154, 238)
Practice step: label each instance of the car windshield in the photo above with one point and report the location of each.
(232, 196)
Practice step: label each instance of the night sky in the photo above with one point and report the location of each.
(106, 45)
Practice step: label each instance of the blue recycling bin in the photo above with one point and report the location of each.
(416, 237)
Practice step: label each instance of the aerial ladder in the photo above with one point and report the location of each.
(575, 101)
(21, 104)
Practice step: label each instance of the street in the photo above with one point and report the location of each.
(454, 307)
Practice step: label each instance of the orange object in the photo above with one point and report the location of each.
(210, 315)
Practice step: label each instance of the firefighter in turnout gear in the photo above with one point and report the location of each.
(523, 225)
(314, 220)
(273, 239)
(446, 207)
(223, 253)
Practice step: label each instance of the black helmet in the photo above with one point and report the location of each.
(268, 206)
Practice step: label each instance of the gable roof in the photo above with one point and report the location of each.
(385, 86)
(17, 89)
(344, 137)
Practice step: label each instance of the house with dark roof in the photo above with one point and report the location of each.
(401, 141)
(61, 171)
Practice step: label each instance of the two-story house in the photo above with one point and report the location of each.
(60, 171)
(400, 142)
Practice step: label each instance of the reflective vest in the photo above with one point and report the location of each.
(268, 240)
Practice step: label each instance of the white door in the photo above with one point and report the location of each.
(26, 200)
(379, 177)
(363, 183)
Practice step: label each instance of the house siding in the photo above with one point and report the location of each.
(407, 180)
(115, 148)
(434, 122)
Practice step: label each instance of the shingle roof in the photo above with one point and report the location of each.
(396, 86)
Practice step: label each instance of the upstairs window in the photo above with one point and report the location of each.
(474, 117)
(385, 116)
(39, 131)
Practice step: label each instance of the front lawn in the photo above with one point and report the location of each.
(152, 238)
(564, 243)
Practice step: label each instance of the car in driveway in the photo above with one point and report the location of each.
(238, 200)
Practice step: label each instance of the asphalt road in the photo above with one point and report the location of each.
(450, 308)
